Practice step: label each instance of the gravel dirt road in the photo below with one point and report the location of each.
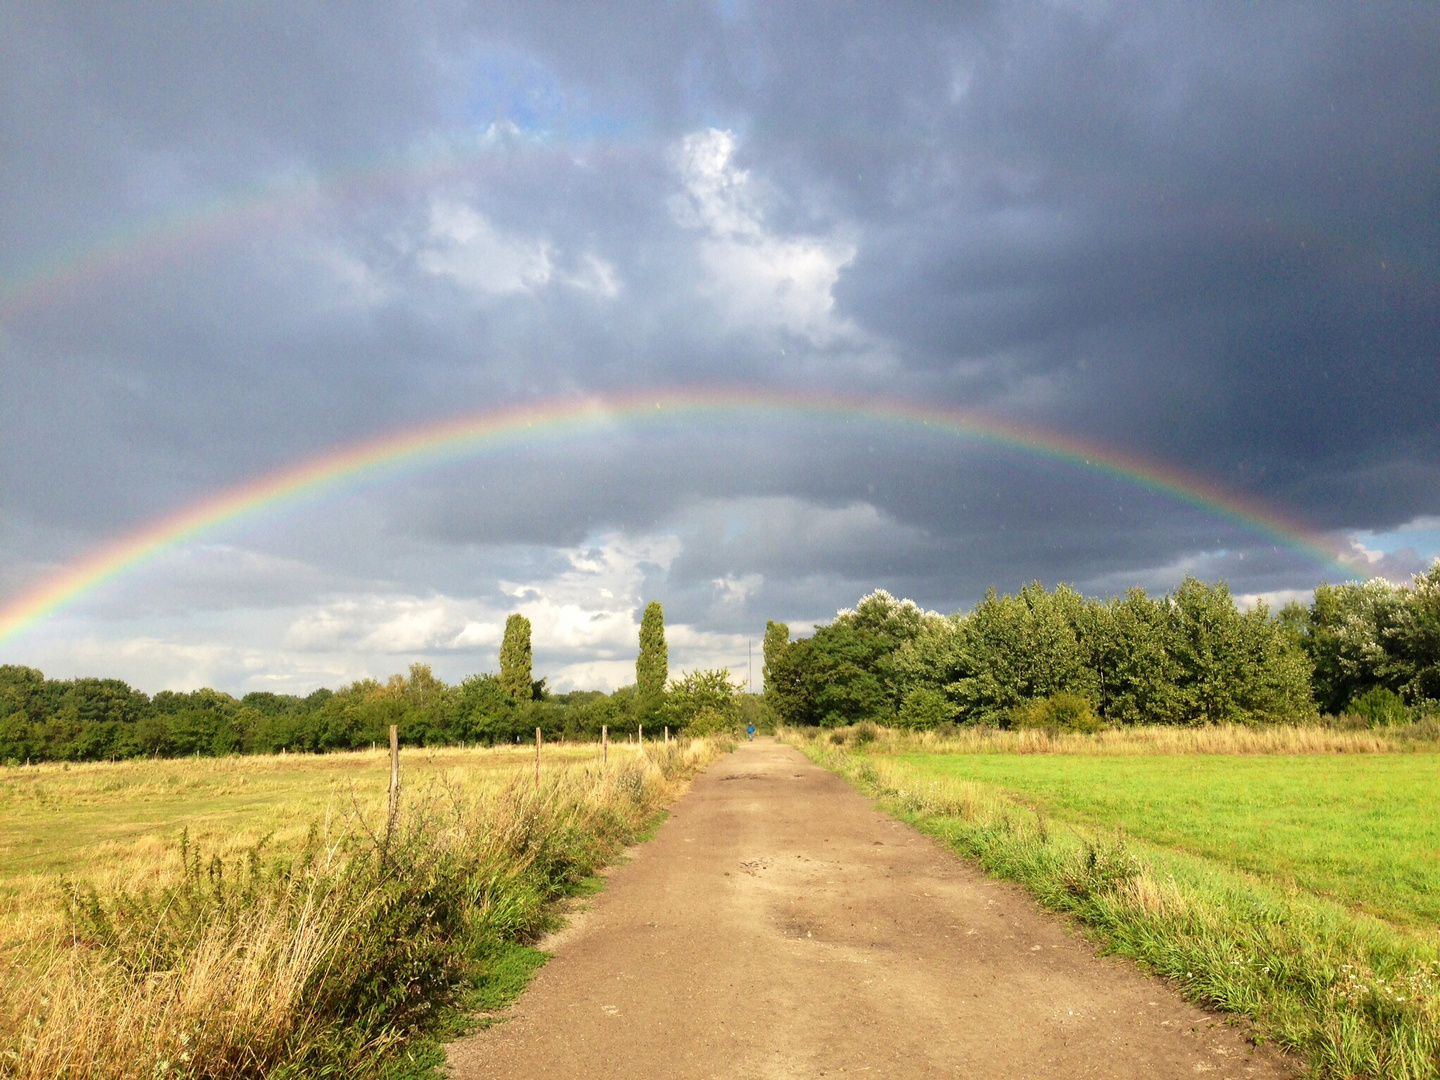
(780, 926)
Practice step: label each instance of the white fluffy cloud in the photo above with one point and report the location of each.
(761, 279)
(1275, 599)
(461, 244)
(383, 624)
(585, 620)
(1398, 553)
(735, 590)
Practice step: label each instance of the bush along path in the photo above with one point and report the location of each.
(1354, 996)
(780, 925)
(352, 957)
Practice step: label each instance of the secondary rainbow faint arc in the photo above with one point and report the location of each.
(237, 212)
(459, 437)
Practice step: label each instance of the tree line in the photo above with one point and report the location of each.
(1058, 659)
(91, 719)
(1040, 657)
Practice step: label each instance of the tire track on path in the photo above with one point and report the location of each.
(780, 926)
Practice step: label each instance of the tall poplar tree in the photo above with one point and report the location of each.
(515, 659)
(652, 666)
(777, 639)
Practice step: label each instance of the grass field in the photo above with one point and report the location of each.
(1362, 829)
(120, 823)
(256, 917)
(1286, 875)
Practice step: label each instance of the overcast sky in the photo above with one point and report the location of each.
(235, 236)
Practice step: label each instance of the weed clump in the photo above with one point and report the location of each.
(1062, 712)
(1380, 707)
(1099, 868)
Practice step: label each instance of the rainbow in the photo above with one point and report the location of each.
(466, 436)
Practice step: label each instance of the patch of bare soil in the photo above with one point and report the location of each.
(781, 926)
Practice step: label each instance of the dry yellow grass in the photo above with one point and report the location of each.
(254, 988)
(119, 824)
(1221, 739)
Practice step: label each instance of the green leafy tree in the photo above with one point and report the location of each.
(652, 666)
(928, 659)
(1125, 646)
(516, 677)
(1364, 635)
(1233, 667)
(1347, 634)
(924, 708)
(1014, 649)
(1413, 640)
(22, 689)
(777, 639)
(847, 677)
(704, 701)
(784, 689)
(846, 672)
(486, 712)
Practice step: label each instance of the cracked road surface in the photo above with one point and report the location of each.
(780, 926)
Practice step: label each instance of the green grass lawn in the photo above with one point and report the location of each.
(1361, 829)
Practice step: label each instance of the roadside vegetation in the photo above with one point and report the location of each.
(1186, 865)
(344, 947)
(119, 825)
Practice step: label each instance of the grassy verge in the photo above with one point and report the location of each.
(1354, 995)
(1227, 739)
(350, 952)
(1358, 829)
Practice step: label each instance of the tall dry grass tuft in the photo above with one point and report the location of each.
(235, 1004)
(1218, 739)
(321, 961)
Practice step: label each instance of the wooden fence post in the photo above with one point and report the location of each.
(394, 778)
(537, 757)
(667, 734)
(640, 736)
(604, 744)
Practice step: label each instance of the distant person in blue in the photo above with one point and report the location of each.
(750, 730)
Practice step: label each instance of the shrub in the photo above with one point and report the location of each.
(1380, 707)
(925, 709)
(863, 734)
(1058, 712)
(701, 692)
(711, 721)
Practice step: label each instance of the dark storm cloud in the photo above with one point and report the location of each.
(1206, 234)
